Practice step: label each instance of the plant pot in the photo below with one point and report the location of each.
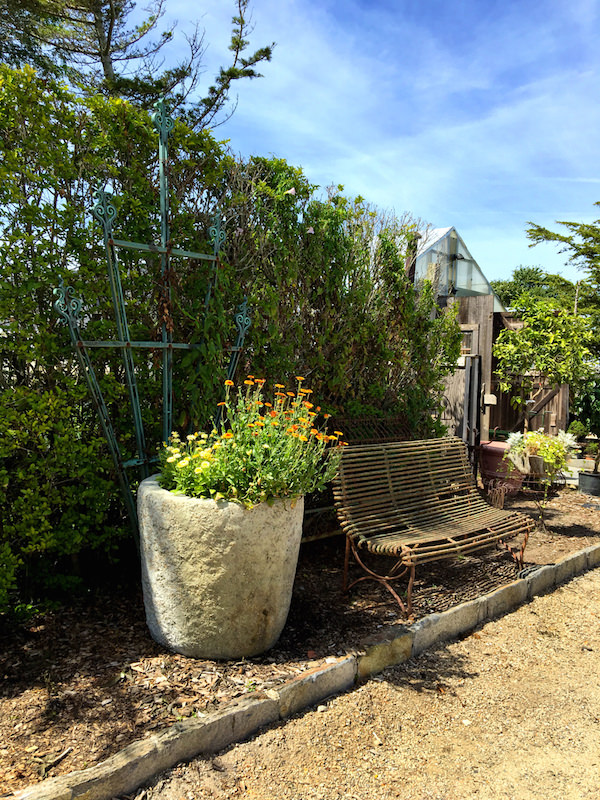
(537, 467)
(496, 469)
(217, 578)
(589, 483)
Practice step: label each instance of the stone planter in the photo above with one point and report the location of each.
(217, 578)
(589, 483)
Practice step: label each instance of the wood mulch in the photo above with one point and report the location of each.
(82, 682)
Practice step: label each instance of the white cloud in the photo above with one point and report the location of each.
(482, 116)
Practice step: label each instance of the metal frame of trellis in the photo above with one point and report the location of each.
(69, 308)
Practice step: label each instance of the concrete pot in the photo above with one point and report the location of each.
(217, 577)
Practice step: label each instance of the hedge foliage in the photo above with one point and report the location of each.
(324, 277)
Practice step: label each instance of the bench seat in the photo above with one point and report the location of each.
(417, 501)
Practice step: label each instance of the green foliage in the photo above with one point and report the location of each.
(586, 406)
(266, 450)
(98, 48)
(586, 409)
(536, 284)
(324, 276)
(578, 429)
(580, 242)
(554, 450)
(552, 342)
(327, 280)
(58, 496)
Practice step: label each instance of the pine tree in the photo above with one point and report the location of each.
(95, 44)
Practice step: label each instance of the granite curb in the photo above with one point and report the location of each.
(142, 760)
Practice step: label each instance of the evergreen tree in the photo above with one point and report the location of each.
(96, 45)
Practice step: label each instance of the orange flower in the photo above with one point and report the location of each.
(227, 435)
(314, 431)
(326, 416)
(229, 383)
(306, 404)
(248, 383)
(260, 381)
(299, 378)
(306, 391)
(268, 405)
(303, 438)
(339, 433)
(279, 394)
(272, 413)
(223, 403)
(279, 386)
(291, 394)
(250, 377)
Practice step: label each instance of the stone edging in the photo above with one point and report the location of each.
(140, 761)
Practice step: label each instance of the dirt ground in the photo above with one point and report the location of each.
(512, 712)
(81, 683)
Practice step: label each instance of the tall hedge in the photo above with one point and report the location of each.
(324, 277)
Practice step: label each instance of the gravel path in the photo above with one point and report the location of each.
(511, 713)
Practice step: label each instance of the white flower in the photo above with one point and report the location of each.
(516, 441)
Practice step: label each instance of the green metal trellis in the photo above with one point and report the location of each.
(69, 308)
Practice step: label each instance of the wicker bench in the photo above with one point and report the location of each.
(416, 502)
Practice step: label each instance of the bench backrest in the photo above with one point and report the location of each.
(405, 476)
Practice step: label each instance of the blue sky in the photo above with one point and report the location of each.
(474, 113)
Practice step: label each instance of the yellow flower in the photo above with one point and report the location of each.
(279, 386)
(303, 438)
(227, 435)
(299, 378)
(229, 383)
(183, 463)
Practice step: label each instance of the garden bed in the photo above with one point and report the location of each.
(81, 683)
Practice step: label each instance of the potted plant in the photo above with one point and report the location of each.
(542, 456)
(589, 481)
(220, 526)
